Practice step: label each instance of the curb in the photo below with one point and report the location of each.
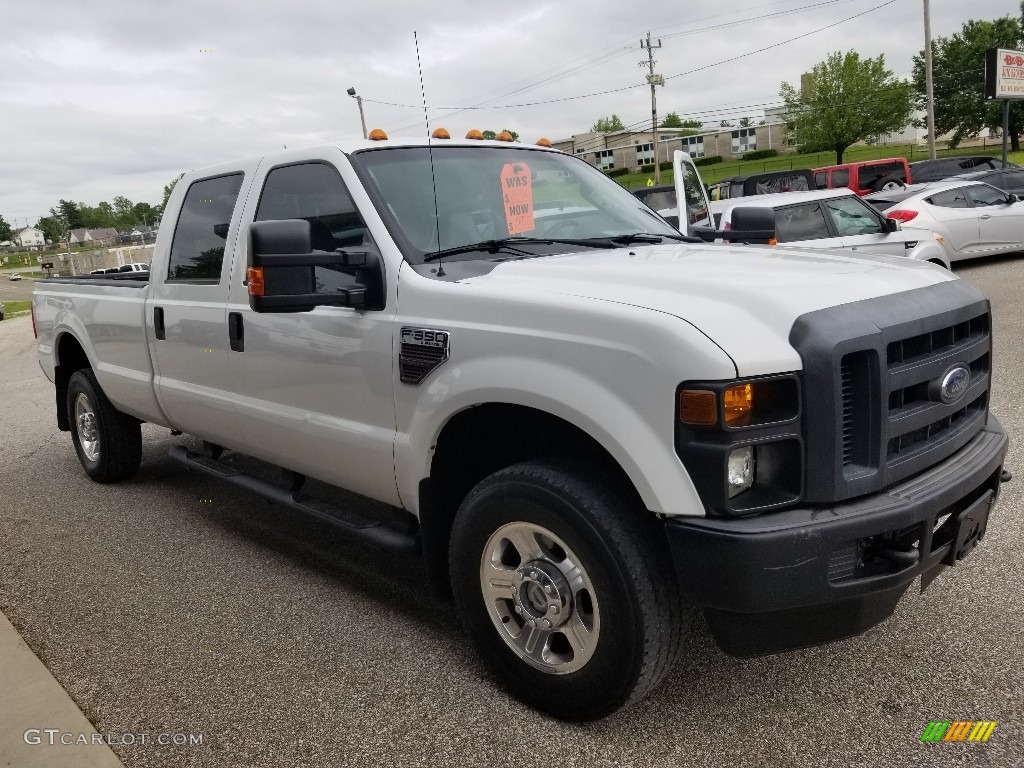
(32, 701)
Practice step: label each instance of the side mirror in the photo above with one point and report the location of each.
(1012, 199)
(282, 270)
(755, 226)
(891, 225)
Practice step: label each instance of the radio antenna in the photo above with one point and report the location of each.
(430, 152)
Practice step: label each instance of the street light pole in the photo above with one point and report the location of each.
(929, 92)
(359, 100)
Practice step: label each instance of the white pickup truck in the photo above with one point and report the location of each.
(587, 418)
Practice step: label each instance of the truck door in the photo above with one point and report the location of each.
(691, 196)
(313, 391)
(186, 313)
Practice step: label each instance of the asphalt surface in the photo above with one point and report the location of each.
(171, 603)
(17, 290)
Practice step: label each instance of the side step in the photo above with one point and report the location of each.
(363, 529)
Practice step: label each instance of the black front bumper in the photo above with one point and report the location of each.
(816, 574)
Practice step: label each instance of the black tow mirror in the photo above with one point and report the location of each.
(282, 270)
(754, 226)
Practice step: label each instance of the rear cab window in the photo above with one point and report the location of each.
(200, 236)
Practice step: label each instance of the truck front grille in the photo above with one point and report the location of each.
(874, 412)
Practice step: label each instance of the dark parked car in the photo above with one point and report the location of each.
(767, 183)
(1006, 179)
(1, 310)
(944, 167)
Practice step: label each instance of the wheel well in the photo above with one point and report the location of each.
(476, 443)
(70, 357)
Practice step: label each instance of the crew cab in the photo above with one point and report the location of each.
(582, 417)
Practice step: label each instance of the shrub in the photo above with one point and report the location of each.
(760, 154)
(617, 172)
(707, 160)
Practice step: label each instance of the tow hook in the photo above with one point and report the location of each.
(901, 557)
(1006, 476)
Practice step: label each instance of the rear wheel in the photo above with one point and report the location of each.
(108, 442)
(566, 587)
(887, 183)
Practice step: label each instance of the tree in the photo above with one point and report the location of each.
(958, 71)
(168, 188)
(608, 124)
(489, 135)
(52, 227)
(672, 120)
(145, 214)
(696, 124)
(846, 99)
(69, 213)
(725, 124)
(6, 233)
(746, 122)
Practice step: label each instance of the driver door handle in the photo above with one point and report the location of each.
(236, 332)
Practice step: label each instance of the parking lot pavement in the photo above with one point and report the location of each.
(172, 604)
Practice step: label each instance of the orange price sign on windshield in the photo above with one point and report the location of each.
(517, 191)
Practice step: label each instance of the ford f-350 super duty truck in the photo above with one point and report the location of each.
(588, 418)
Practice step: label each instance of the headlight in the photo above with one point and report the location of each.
(741, 470)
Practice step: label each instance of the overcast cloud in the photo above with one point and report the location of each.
(107, 98)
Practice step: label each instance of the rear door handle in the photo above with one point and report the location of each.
(158, 323)
(236, 332)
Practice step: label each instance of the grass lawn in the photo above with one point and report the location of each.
(712, 173)
(12, 308)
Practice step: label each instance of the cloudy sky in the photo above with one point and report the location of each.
(117, 98)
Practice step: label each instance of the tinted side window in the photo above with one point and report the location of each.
(315, 192)
(951, 198)
(840, 178)
(821, 180)
(853, 217)
(197, 252)
(983, 196)
(1011, 182)
(800, 222)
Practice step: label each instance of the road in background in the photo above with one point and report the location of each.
(171, 603)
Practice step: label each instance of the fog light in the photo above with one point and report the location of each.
(741, 470)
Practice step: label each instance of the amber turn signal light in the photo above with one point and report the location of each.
(738, 402)
(698, 406)
(254, 279)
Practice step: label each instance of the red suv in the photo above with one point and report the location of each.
(864, 177)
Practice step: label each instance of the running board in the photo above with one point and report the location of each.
(360, 528)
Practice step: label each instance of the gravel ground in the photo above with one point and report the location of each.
(171, 603)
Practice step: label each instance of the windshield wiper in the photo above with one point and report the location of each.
(510, 243)
(650, 237)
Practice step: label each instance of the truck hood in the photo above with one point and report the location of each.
(745, 299)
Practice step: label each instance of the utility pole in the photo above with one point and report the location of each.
(929, 95)
(654, 80)
(359, 100)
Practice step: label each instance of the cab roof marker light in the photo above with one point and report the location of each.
(475, 134)
(377, 134)
(440, 133)
(543, 142)
(504, 136)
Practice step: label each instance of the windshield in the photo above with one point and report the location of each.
(487, 194)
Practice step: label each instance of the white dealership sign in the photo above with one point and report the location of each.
(1004, 74)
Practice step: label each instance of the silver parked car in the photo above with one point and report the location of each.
(836, 218)
(972, 218)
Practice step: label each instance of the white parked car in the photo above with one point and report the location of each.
(14, 276)
(973, 218)
(836, 218)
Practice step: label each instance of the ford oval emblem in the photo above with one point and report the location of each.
(954, 383)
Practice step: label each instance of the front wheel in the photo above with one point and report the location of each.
(108, 442)
(566, 587)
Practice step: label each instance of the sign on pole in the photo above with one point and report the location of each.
(1004, 79)
(1004, 74)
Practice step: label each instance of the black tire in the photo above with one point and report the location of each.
(888, 182)
(108, 442)
(621, 551)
